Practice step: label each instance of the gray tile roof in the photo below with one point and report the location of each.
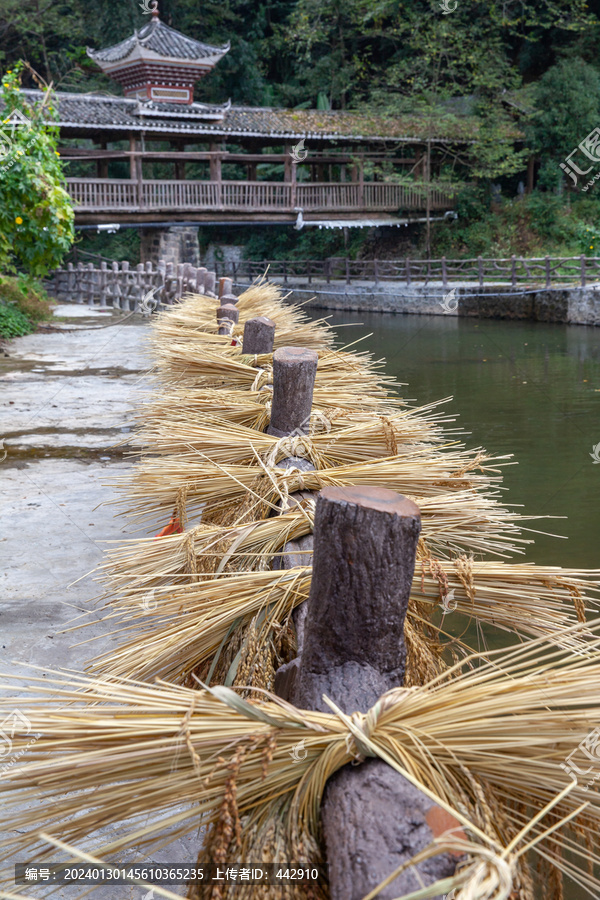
(95, 113)
(161, 39)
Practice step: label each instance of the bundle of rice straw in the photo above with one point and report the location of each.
(486, 739)
(483, 733)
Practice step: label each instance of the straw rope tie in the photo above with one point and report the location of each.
(264, 379)
(185, 732)
(293, 445)
(366, 723)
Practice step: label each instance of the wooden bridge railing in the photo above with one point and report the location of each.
(120, 194)
(544, 271)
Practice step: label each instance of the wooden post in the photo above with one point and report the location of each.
(365, 543)
(480, 270)
(547, 268)
(200, 273)
(209, 284)
(582, 267)
(294, 371)
(215, 173)
(444, 272)
(363, 566)
(513, 271)
(407, 270)
(259, 335)
(225, 286)
(226, 314)
(229, 298)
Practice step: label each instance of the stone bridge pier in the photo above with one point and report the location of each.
(173, 244)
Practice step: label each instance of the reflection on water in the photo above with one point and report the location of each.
(524, 388)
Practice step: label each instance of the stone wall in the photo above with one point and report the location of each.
(177, 244)
(579, 306)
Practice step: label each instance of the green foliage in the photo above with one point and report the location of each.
(13, 323)
(124, 245)
(36, 214)
(23, 304)
(567, 100)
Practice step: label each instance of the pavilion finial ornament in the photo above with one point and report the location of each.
(149, 6)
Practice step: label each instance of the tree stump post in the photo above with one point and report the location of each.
(294, 371)
(259, 335)
(210, 280)
(365, 543)
(227, 316)
(225, 286)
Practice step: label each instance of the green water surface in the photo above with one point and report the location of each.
(522, 388)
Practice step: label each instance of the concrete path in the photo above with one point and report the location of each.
(66, 399)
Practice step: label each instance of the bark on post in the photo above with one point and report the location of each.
(294, 370)
(363, 566)
(259, 335)
(365, 542)
(225, 315)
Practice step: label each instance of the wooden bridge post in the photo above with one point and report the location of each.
(582, 267)
(547, 270)
(480, 270)
(374, 820)
(294, 371)
(444, 273)
(513, 271)
(259, 335)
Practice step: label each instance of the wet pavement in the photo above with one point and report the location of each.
(66, 401)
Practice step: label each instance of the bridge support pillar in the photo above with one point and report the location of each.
(175, 244)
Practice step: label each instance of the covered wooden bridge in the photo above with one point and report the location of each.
(155, 155)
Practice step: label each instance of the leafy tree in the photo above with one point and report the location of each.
(567, 101)
(36, 214)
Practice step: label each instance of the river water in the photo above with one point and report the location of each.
(524, 388)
